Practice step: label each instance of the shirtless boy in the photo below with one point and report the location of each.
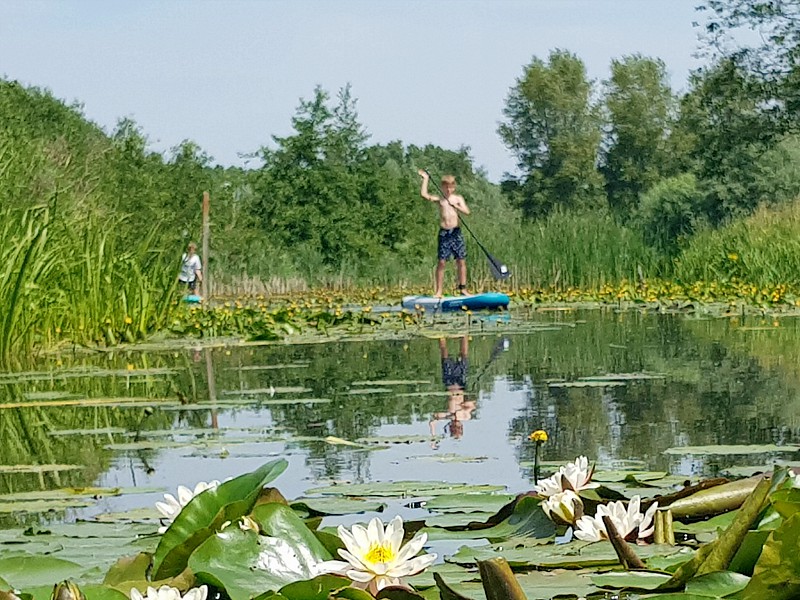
(451, 240)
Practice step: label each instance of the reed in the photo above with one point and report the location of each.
(762, 249)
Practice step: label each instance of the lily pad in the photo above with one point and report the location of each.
(468, 503)
(205, 514)
(28, 571)
(724, 450)
(403, 489)
(336, 506)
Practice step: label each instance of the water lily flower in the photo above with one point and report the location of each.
(628, 521)
(172, 506)
(564, 506)
(166, 592)
(575, 476)
(374, 556)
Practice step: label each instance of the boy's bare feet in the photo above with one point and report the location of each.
(437, 294)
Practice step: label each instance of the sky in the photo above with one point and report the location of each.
(229, 74)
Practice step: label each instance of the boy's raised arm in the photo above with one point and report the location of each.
(424, 188)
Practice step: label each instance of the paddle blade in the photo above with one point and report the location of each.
(498, 269)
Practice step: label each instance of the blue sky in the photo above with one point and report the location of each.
(228, 74)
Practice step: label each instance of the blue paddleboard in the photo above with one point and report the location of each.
(488, 300)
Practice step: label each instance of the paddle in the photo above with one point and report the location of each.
(498, 269)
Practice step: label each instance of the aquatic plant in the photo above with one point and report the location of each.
(166, 592)
(376, 557)
(171, 507)
(575, 476)
(628, 521)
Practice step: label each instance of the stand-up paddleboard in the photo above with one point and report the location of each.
(192, 299)
(488, 300)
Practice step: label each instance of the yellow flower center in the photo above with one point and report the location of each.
(379, 553)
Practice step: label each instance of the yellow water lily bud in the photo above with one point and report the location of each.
(540, 436)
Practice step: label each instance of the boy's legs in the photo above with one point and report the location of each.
(461, 271)
(439, 279)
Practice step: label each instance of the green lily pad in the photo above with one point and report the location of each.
(468, 503)
(450, 457)
(717, 585)
(336, 506)
(640, 580)
(404, 489)
(585, 384)
(575, 555)
(205, 514)
(38, 468)
(230, 559)
(725, 450)
(29, 571)
(384, 382)
(775, 575)
(528, 520)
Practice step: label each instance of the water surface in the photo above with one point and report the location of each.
(156, 419)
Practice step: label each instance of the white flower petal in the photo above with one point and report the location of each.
(360, 576)
(413, 566)
(412, 548)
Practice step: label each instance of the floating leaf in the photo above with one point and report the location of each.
(639, 580)
(406, 489)
(777, 573)
(27, 571)
(206, 513)
(336, 506)
(528, 520)
(724, 450)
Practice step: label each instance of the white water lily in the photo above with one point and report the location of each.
(628, 521)
(172, 506)
(166, 592)
(575, 476)
(375, 557)
(565, 506)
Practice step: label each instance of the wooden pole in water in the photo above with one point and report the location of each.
(206, 283)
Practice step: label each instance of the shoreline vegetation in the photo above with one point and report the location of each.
(625, 191)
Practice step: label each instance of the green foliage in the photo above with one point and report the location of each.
(640, 110)
(670, 212)
(763, 249)
(553, 129)
(577, 249)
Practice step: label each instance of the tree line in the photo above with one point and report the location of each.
(629, 159)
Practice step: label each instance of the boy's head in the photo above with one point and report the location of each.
(448, 184)
(192, 247)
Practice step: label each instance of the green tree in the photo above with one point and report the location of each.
(774, 59)
(310, 186)
(553, 129)
(727, 128)
(640, 109)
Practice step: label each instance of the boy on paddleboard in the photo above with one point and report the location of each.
(451, 240)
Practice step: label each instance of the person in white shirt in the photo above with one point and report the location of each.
(191, 268)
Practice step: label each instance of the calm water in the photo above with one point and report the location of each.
(159, 419)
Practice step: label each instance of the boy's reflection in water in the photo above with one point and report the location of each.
(454, 377)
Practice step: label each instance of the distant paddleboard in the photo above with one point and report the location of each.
(192, 299)
(488, 300)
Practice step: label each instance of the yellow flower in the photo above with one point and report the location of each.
(128, 320)
(733, 256)
(539, 436)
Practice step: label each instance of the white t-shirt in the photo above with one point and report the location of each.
(189, 266)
